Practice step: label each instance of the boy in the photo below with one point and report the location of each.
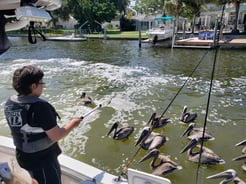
(33, 125)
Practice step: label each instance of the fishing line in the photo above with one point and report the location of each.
(209, 93)
(206, 115)
(124, 170)
(200, 61)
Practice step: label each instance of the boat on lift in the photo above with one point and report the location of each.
(17, 14)
(162, 30)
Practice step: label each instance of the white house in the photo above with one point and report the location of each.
(208, 18)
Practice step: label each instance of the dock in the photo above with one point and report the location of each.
(195, 43)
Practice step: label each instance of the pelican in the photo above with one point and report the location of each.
(159, 121)
(187, 117)
(228, 175)
(241, 157)
(165, 166)
(207, 155)
(192, 132)
(122, 133)
(149, 140)
(86, 99)
(242, 143)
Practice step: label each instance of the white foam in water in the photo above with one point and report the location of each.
(132, 89)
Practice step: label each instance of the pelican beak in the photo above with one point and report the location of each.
(228, 174)
(241, 143)
(152, 153)
(151, 118)
(185, 109)
(191, 144)
(241, 157)
(188, 129)
(114, 127)
(145, 133)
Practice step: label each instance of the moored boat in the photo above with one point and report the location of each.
(163, 29)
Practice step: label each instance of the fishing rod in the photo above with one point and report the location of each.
(210, 89)
(100, 105)
(124, 170)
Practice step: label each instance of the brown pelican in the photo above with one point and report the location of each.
(242, 143)
(149, 140)
(187, 117)
(241, 157)
(207, 155)
(86, 99)
(228, 175)
(192, 132)
(122, 133)
(165, 165)
(159, 121)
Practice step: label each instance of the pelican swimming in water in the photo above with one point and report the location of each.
(86, 99)
(207, 155)
(165, 165)
(242, 143)
(191, 132)
(149, 140)
(228, 175)
(241, 157)
(122, 133)
(187, 117)
(158, 121)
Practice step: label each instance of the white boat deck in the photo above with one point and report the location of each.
(76, 172)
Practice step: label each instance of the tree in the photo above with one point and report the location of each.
(150, 6)
(121, 5)
(236, 4)
(195, 7)
(94, 11)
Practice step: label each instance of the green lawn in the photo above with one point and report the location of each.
(110, 33)
(119, 34)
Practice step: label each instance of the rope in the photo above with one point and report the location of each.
(208, 101)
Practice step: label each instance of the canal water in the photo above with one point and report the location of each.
(140, 81)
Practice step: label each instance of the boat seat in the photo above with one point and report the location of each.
(138, 177)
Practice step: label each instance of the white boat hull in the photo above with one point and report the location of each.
(76, 172)
(161, 34)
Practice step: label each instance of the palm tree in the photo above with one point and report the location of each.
(236, 4)
(195, 6)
